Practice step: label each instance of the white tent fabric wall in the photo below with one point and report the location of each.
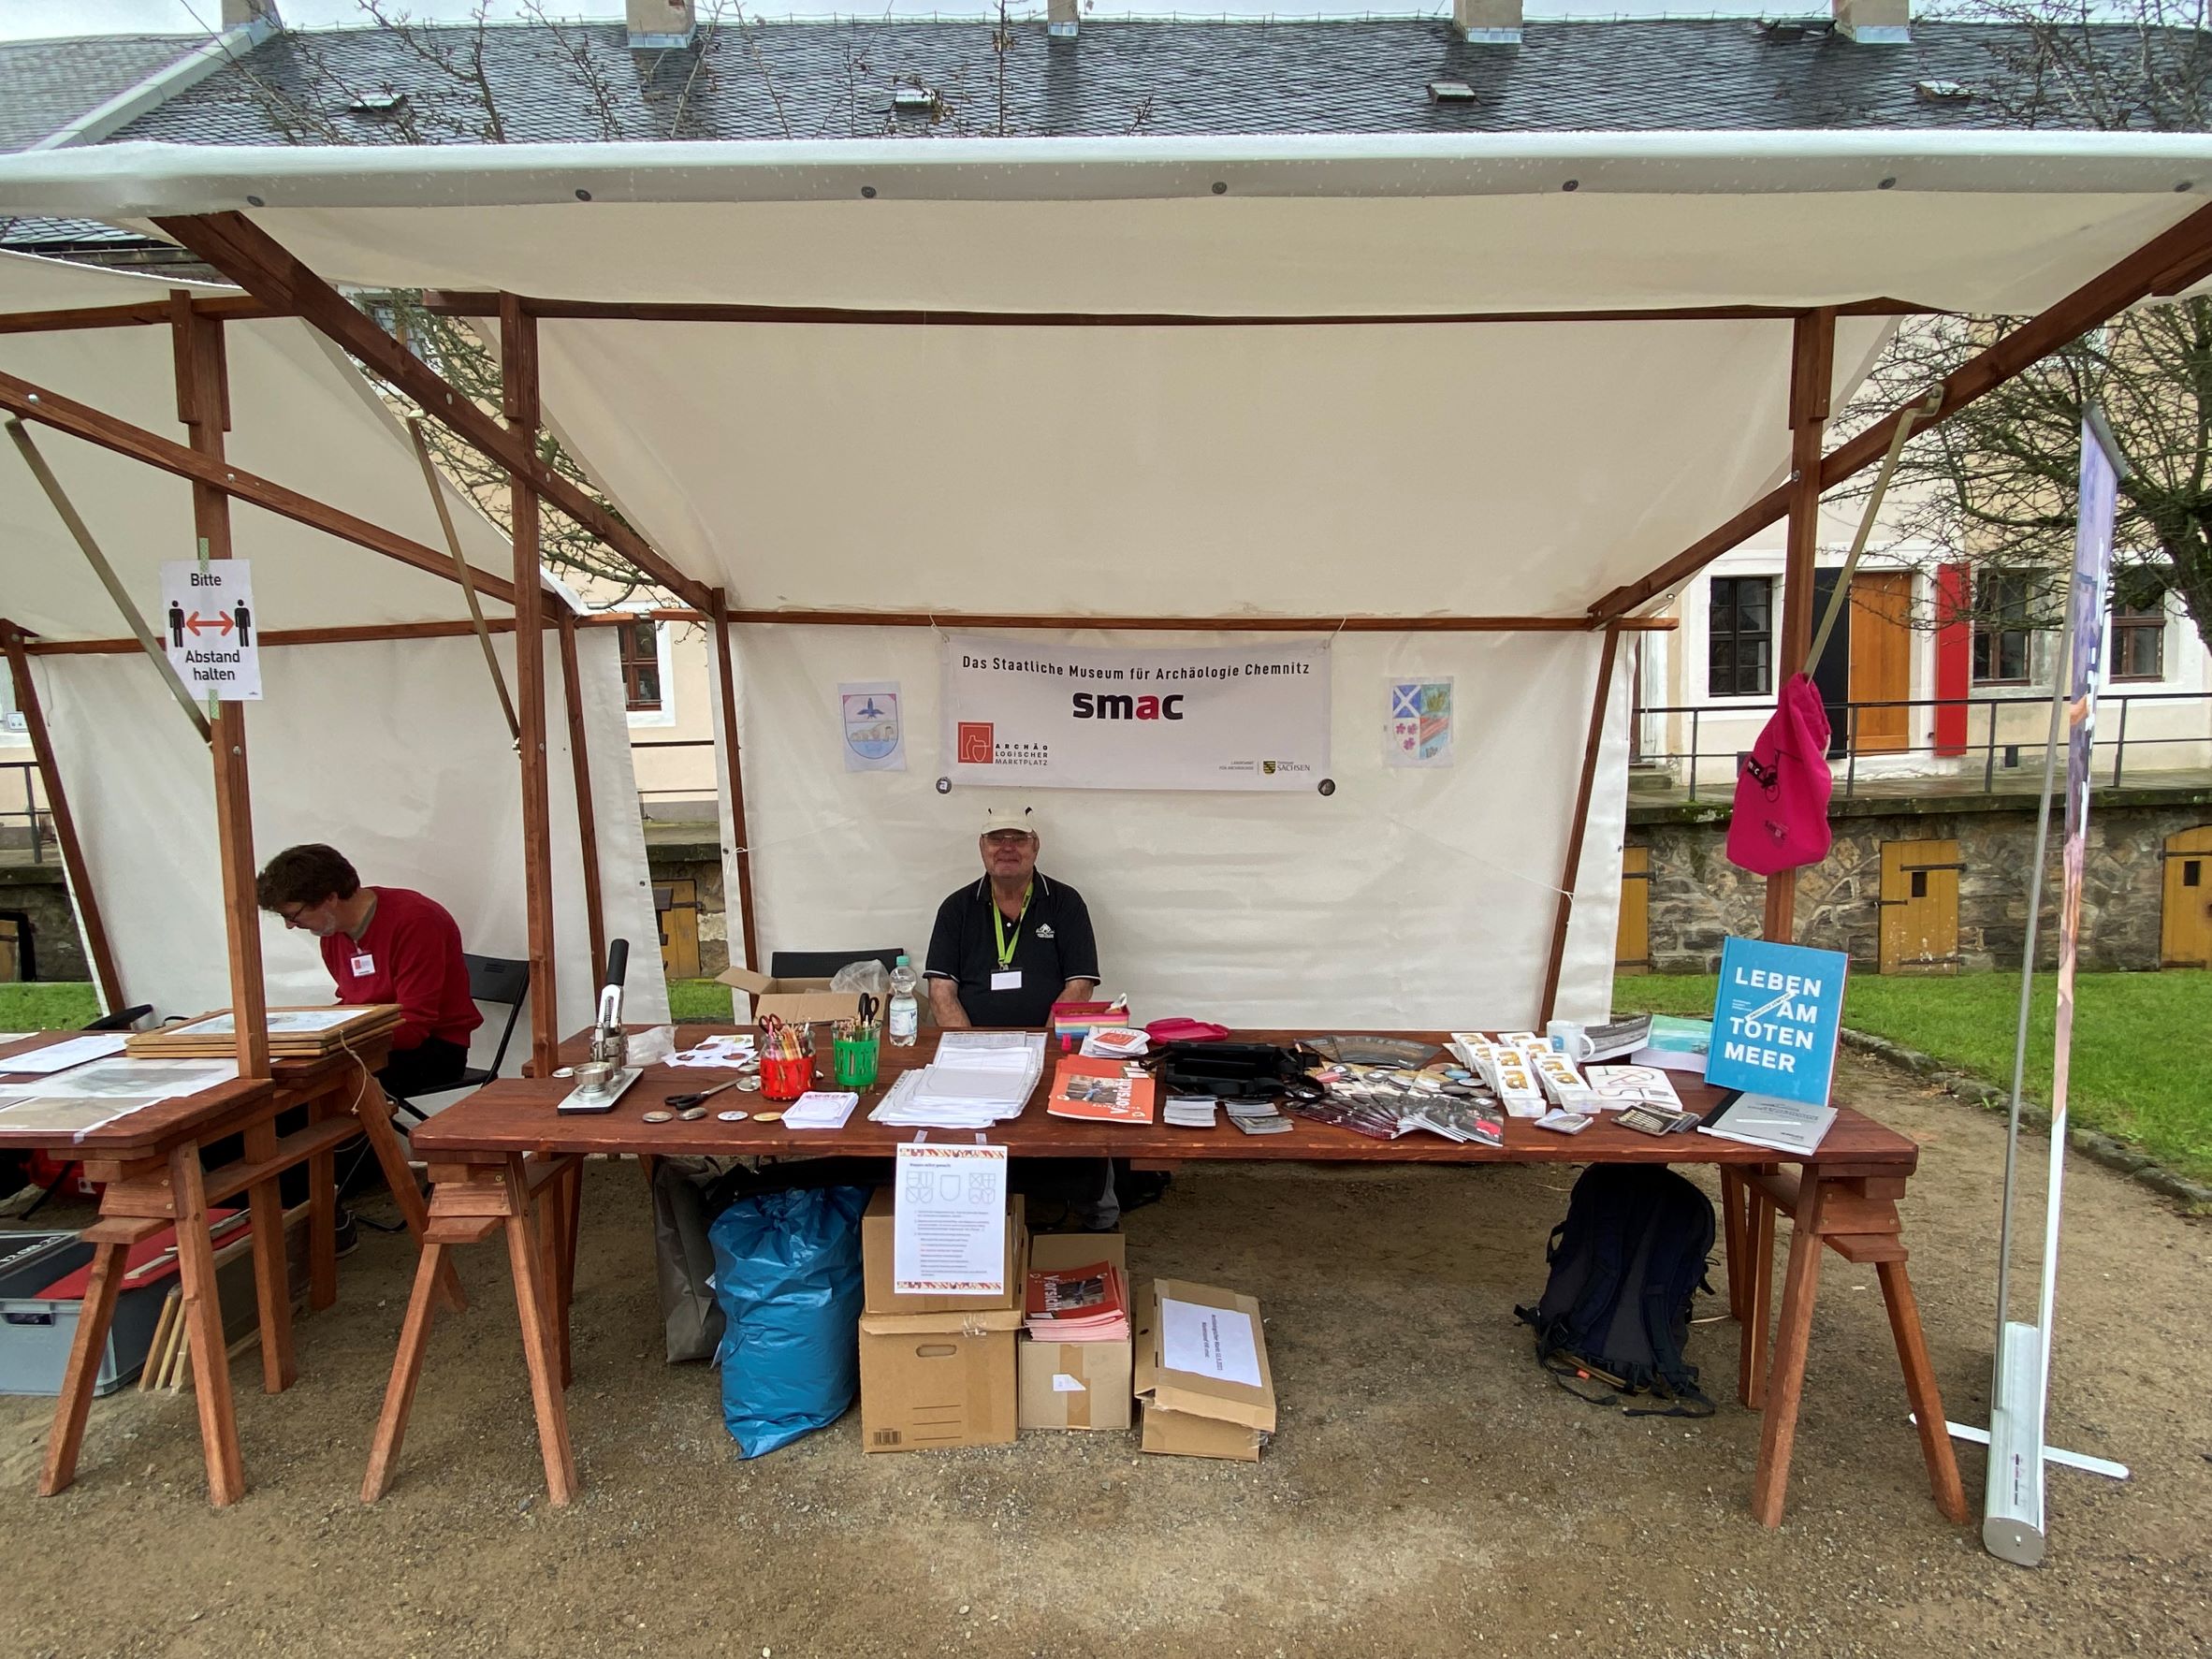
(395, 751)
(1408, 898)
(1448, 470)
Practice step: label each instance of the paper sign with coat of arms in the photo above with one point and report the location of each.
(1419, 730)
(875, 735)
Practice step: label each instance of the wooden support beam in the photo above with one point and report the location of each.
(357, 634)
(65, 821)
(1580, 822)
(234, 307)
(733, 766)
(203, 404)
(579, 755)
(518, 368)
(457, 302)
(254, 260)
(29, 401)
(2165, 259)
(1812, 363)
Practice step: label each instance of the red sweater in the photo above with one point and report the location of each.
(410, 954)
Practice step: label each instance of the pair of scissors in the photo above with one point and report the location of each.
(681, 1102)
(868, 1005)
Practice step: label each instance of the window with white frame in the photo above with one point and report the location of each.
(1739, 637)
(642, 689)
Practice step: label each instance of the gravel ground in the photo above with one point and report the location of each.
(1429, 1491)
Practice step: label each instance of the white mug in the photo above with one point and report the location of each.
(1570, 1039)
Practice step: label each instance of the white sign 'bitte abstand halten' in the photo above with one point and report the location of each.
(208, 627)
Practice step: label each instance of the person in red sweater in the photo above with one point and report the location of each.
(383, 944)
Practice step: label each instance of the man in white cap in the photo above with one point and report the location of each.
(1002, 952)
(1005, 949)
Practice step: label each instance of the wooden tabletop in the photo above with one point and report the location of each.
(205, 1116)
(517, 1116)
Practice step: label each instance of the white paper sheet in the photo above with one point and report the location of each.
(821, 1109)
(948, 1221)
(141, 1082)
(60, 1056)
(1215, 1342)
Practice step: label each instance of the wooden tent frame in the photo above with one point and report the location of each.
(275, 284)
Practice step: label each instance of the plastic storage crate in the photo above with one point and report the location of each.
(36, 1332)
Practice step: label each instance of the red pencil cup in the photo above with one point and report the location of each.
(785, 1078)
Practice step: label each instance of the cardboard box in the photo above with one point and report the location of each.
(793, 1001)
(1188, 1414)
(875, 1244)
(935, 1370)
(1074, 1385)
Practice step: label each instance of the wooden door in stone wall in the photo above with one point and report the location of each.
(1632, 942)
(1919, 907)
(2185, 927)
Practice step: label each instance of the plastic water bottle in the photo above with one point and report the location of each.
(906, 1013)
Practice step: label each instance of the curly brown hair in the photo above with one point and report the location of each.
(305, 876)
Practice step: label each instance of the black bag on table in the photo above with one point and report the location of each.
(1625, 1264)
(1235, 1070)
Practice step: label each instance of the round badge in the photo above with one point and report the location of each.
(750, 1084)
(767, 1117)
(694, 1113)
(732, 1116)
(660, 1117)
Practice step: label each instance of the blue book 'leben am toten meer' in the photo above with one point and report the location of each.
(1775, 1020)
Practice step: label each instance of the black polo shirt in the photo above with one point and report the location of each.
(1054, 946)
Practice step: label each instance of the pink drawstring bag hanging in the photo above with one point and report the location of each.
(1782, 786)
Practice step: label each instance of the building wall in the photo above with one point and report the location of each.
(41, 896)
(1698, 898)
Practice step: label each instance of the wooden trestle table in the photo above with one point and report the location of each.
(150, 1161)
(503, 1161)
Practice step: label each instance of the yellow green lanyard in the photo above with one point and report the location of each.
(1006, 946)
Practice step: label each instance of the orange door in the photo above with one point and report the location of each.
(2186, 928)
(1881, 659)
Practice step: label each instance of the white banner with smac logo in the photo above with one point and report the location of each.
(1033, 715)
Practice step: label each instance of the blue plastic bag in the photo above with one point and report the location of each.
(787, 1274)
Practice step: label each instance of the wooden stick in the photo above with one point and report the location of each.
(137, 312)
(81, 533)
(203, 403)
(398, 1395)
(258, 263)
(272, 1268)
(28, 402)
(158, 1347)
(65, 821)
(462, 575)
(579, 755)
(83, 1375)
(457, 302)
(2103, 296)
(1813, 357)
(1920, 1389)
(734, 757)
(1565, 909)
(203, 1313)
(518, 363)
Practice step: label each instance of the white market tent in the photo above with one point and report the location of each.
(1460, 402)
(394, 749)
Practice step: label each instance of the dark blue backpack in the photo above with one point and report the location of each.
(1624, 1264)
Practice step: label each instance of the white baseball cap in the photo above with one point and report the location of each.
(1018, 815)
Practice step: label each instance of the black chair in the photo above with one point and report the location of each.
(822, 965)
(500, 982)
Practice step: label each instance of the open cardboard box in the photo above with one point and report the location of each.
(1188, 1413)
(793, 1001)
(1074, 1385)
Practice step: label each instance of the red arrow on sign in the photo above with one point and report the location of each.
(220, 622)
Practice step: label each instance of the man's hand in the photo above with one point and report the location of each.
(1077, 990)
(944, 1005)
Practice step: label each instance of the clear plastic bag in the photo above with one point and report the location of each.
(865, 978)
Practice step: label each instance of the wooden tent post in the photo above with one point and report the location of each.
(518, 374)
(1813, 357)
(203, 404)
(65, 825)
(579, 755)
(1573, 869)
(719, 609)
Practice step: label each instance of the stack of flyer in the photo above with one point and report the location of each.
(1088, 1304)
(979, 1077)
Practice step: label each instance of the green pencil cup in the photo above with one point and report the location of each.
(856, 1059)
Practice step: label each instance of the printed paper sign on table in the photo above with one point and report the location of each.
(208, 628)
(875, 730)
(948, 1221)
(1775, 1021)
(1037, 716)
(1419, 730)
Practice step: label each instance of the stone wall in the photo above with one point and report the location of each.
(40, 893)
(1697, 898)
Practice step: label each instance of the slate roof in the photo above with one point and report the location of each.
(46, 84)
(827, 80)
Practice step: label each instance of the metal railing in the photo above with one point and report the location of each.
(37, 822)
(2112, 738)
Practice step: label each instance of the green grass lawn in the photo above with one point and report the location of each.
(58, 1007)
(698, 1000)
(2142, 1042)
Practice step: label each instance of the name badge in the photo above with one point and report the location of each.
(1007, 978)
(362, 965)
